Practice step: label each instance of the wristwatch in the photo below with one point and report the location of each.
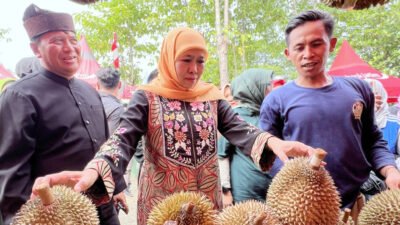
(226, 190)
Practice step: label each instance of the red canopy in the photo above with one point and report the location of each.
(4, 73)
(127, 91)
(348, 63)
(89, 65)
(392, 87)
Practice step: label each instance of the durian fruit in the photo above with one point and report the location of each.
(383, 208)
(57, 205)
(183, 208)
(304, 193)
(249, 212)
(84, 2)
(353, 4)
(346, 218)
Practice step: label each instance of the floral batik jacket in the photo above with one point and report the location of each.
(180, 148)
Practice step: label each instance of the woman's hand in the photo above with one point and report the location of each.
(121, 198)
(285, 149)
(78, 180)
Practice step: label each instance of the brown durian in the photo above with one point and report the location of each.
(183, 208)
(84, 2)
(304, 193)
(57, 205)
(383, 208)
(250, 212)
(353, 4)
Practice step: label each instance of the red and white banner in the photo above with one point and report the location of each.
(114, 49)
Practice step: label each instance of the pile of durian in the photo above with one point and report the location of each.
(57, 205)
(302, 193)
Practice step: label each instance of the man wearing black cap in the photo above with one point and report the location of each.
(49, 121)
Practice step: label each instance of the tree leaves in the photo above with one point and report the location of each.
(256, 32)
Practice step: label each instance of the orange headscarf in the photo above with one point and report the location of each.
(166, 84)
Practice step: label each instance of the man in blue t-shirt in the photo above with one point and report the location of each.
(335, 114)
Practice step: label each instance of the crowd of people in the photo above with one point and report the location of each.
(187, 134)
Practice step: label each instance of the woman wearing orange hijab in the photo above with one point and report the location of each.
(179, 116)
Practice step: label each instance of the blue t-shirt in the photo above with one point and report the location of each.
(338, 118)
(390, 133)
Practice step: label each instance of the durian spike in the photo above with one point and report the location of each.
(317, 158)
(346, 215)
(260, 219)
(187, 208)
(45, 194)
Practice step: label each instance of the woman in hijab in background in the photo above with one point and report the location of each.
(241, 179)
(179, 116)
(389, 125)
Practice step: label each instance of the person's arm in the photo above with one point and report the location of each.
(17, 147)
(392, 176)
(114, 155)
(252, 141)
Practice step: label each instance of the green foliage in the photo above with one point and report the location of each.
(256, 32)
(4, 34)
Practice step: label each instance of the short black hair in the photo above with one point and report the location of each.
(108, 77)
(309, 16)
(152, 75)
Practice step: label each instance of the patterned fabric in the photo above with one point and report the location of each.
(176, 124)
(172, 161)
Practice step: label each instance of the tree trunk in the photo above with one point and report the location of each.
(222, 41)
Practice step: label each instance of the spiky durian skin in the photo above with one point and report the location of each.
(246, 213)
(169, 208)
(69, 208)
(359, 4)
(383, 208)
(299, 194)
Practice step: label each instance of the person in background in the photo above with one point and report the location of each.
(332, 113)
(227, 92)
(240, 178)
(49, 120)
(109, 84)
(389, 125)
(179, 115)
(27, 66)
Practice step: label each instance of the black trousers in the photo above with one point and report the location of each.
(108, 214)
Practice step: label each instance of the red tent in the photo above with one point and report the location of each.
(127, 91)
(392, 87)
(89, 65)
(348, 63)
(4, 73)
